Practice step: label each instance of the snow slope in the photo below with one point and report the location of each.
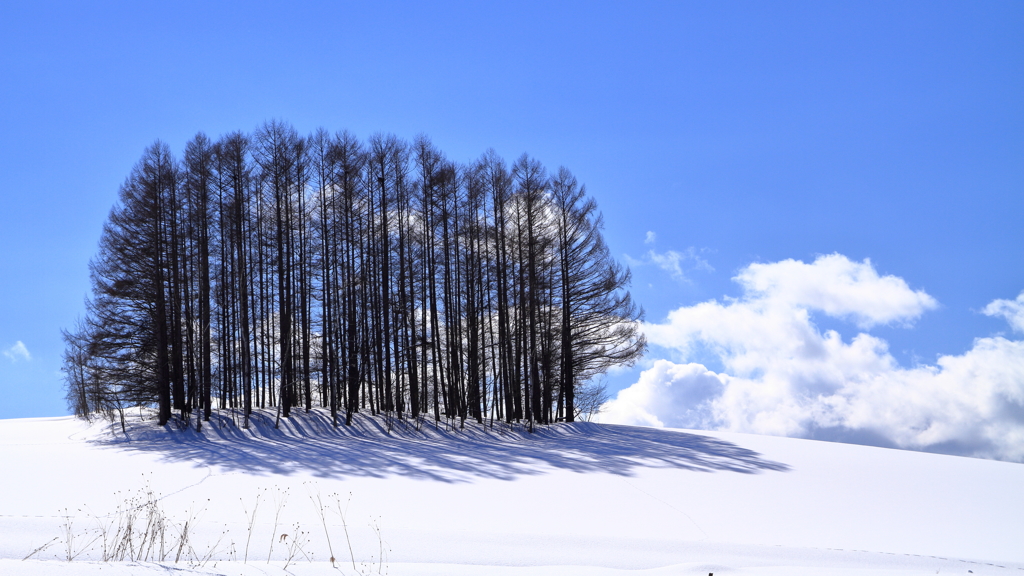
(569, 499)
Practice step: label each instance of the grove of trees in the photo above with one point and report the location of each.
(274, 270)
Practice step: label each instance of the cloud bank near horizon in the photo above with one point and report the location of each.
(782, 375)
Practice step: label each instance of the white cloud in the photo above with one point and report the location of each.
(18, 352)
(782, 375)
(651, 238)
(679, 391)
(672, 261)
(1011, 310)
(838, 287)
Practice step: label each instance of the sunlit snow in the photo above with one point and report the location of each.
(568, 499)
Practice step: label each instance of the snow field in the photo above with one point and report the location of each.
(570, 499)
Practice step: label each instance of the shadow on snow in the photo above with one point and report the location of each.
(307, 442)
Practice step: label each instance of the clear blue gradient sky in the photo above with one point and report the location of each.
(737, 132)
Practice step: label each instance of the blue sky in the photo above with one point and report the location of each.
(737, 133)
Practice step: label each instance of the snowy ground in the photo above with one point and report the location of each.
(570, 499)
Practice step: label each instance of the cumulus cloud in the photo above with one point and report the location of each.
(838, 287)
(1011, 310)
(651, 237)
(782, 375)
(18, 352)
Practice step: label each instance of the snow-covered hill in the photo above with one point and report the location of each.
(568, 499)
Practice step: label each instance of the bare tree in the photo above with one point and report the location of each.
(275, 270)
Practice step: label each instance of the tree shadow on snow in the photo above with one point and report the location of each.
(307, 442)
